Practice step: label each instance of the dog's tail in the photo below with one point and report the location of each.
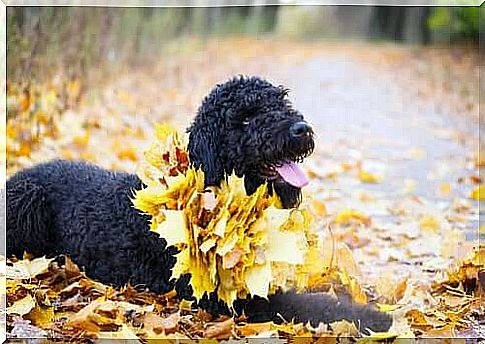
(28, 219)
(315, 308)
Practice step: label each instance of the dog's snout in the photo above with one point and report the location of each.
(300, 129)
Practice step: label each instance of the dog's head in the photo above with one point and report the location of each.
(247, 125)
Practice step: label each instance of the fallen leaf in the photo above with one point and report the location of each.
(220, 330)
(253, 329)
(155, 325)
(478, 193)
(31, 268)
(418, 320)
(128, 154)
(319, 208)
(22, 306)
(87, 319)
(367, 177)
(349, 216)
(429, 223)
(344, 328)
(42, 316)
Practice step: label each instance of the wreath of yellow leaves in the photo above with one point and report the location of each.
(229, 242)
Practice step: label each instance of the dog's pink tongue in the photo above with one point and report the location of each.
(293, 174)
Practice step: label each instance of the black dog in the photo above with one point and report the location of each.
(246, 125)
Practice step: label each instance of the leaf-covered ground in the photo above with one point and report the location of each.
(394, 182)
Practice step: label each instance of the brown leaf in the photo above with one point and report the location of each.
(344, 328)
(418, 320)
(87, 319)
(154, 324)
(253, 329)
(400, 289)
(220, 330)
(72, 270)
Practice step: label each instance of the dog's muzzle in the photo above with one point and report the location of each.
(300, 129)
(299, 146)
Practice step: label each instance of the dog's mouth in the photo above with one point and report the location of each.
(292, 173)
(289, 171)
(284, 162)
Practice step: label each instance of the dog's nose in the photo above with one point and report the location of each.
(300, 129)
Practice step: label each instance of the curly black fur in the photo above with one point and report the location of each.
(84, 211)
(244, 126)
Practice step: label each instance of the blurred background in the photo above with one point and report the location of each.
(42, 40)
(392, 94)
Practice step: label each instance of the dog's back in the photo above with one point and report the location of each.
(48, 196)
(79, 209)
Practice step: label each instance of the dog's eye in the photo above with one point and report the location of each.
(245, 118)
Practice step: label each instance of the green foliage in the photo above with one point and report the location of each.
(457, 22)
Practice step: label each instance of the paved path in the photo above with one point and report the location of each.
(362, 114)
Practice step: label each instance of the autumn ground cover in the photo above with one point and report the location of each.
(394, 183)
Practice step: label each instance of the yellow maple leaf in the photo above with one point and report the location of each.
(258, 278)
(367, 177)
(173, 228)
(42, 316)
(429, 223)
(128, 154)
(348, 216)
(478, 193)
(285, 246)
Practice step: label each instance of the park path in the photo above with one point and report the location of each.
(362, 113)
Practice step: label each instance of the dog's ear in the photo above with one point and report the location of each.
(204, 146)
